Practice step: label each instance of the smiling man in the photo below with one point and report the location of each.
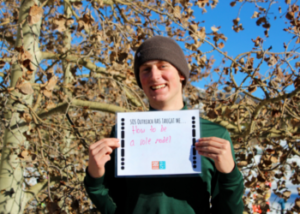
(161, 71)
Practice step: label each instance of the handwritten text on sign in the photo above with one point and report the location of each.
(163, 128)
(158, 143)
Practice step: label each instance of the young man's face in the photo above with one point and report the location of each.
(162, 84)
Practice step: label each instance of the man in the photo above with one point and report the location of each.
(161, 71)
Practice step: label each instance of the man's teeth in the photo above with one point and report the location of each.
(158, 86)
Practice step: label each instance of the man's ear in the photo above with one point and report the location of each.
(181, 77)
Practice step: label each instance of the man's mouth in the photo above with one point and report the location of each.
(158, 86)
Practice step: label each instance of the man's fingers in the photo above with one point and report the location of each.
(215, 139)
(209, 155)
(111, 142)
(106, 147)
(209, 149)
(214, 144)
(104, 140)
(105, 151)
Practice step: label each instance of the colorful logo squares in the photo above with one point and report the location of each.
(158, 165)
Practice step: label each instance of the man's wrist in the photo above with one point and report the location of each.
(232, 177)
(91, 181)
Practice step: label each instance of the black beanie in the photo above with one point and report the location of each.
(161, 48)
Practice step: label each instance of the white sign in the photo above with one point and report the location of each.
(158, 143)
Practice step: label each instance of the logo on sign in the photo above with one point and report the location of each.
(158, 165)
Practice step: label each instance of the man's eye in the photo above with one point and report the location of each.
(145, 69)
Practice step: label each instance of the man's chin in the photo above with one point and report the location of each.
(158, 100)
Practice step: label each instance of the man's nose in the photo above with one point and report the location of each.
(155, 72)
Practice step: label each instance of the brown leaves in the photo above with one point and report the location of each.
(233, 3)
(276, 113)
(249, 63)
(242, 163)
(257, 41)
(295, 122)
(297, 82)
(24, 87)
(213, 114)
(85, 22)
(214, 29)
(25, 155)
(50, 104)
(255, 15)
(221, 45)
(237, 27)
(2, 64)
(177, 12)
(193, 28)
(287, 193)
(51, 83)
(272, 60)
(201, 33)
(264, 22)
(202, 60)
(26, 116)
(61, 23)
(290, 15)
(49, 86)
(53, 207)
(236, 21)
(35, 14)
(97, 36)
(252, 89)
(25, 58)
(202, 3)
(251, 183)
(77, 5)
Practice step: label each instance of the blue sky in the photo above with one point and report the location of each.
(237, 43)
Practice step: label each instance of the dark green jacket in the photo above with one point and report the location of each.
(171, 195)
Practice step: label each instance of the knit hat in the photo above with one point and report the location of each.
(161, 48)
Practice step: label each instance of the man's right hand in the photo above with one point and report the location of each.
(99, 154)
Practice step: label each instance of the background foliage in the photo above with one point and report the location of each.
(75, 57)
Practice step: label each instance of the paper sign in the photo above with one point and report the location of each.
(158, 143)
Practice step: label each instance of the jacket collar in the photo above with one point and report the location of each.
(184, 108)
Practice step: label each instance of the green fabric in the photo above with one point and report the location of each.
(171, 195)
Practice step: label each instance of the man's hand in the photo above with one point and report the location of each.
(99, 154)
(219, 150)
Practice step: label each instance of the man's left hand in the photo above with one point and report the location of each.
(219, 150)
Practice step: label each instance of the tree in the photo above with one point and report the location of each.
(66, 68)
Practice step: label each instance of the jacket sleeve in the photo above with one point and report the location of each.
(229, 189)
(98, 194)
(108, 192)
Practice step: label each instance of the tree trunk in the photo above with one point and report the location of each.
(14, 198)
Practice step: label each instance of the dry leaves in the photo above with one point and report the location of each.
(59, 23)
(255, 15)
(85, 22)
(177, 12)
(25, 155)
(2, 64)
(35, 14)
(24, 87)
(26, 116)
(214, 29)
(221, 45)
(53, 207)
(50, 104)
(51, 83)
